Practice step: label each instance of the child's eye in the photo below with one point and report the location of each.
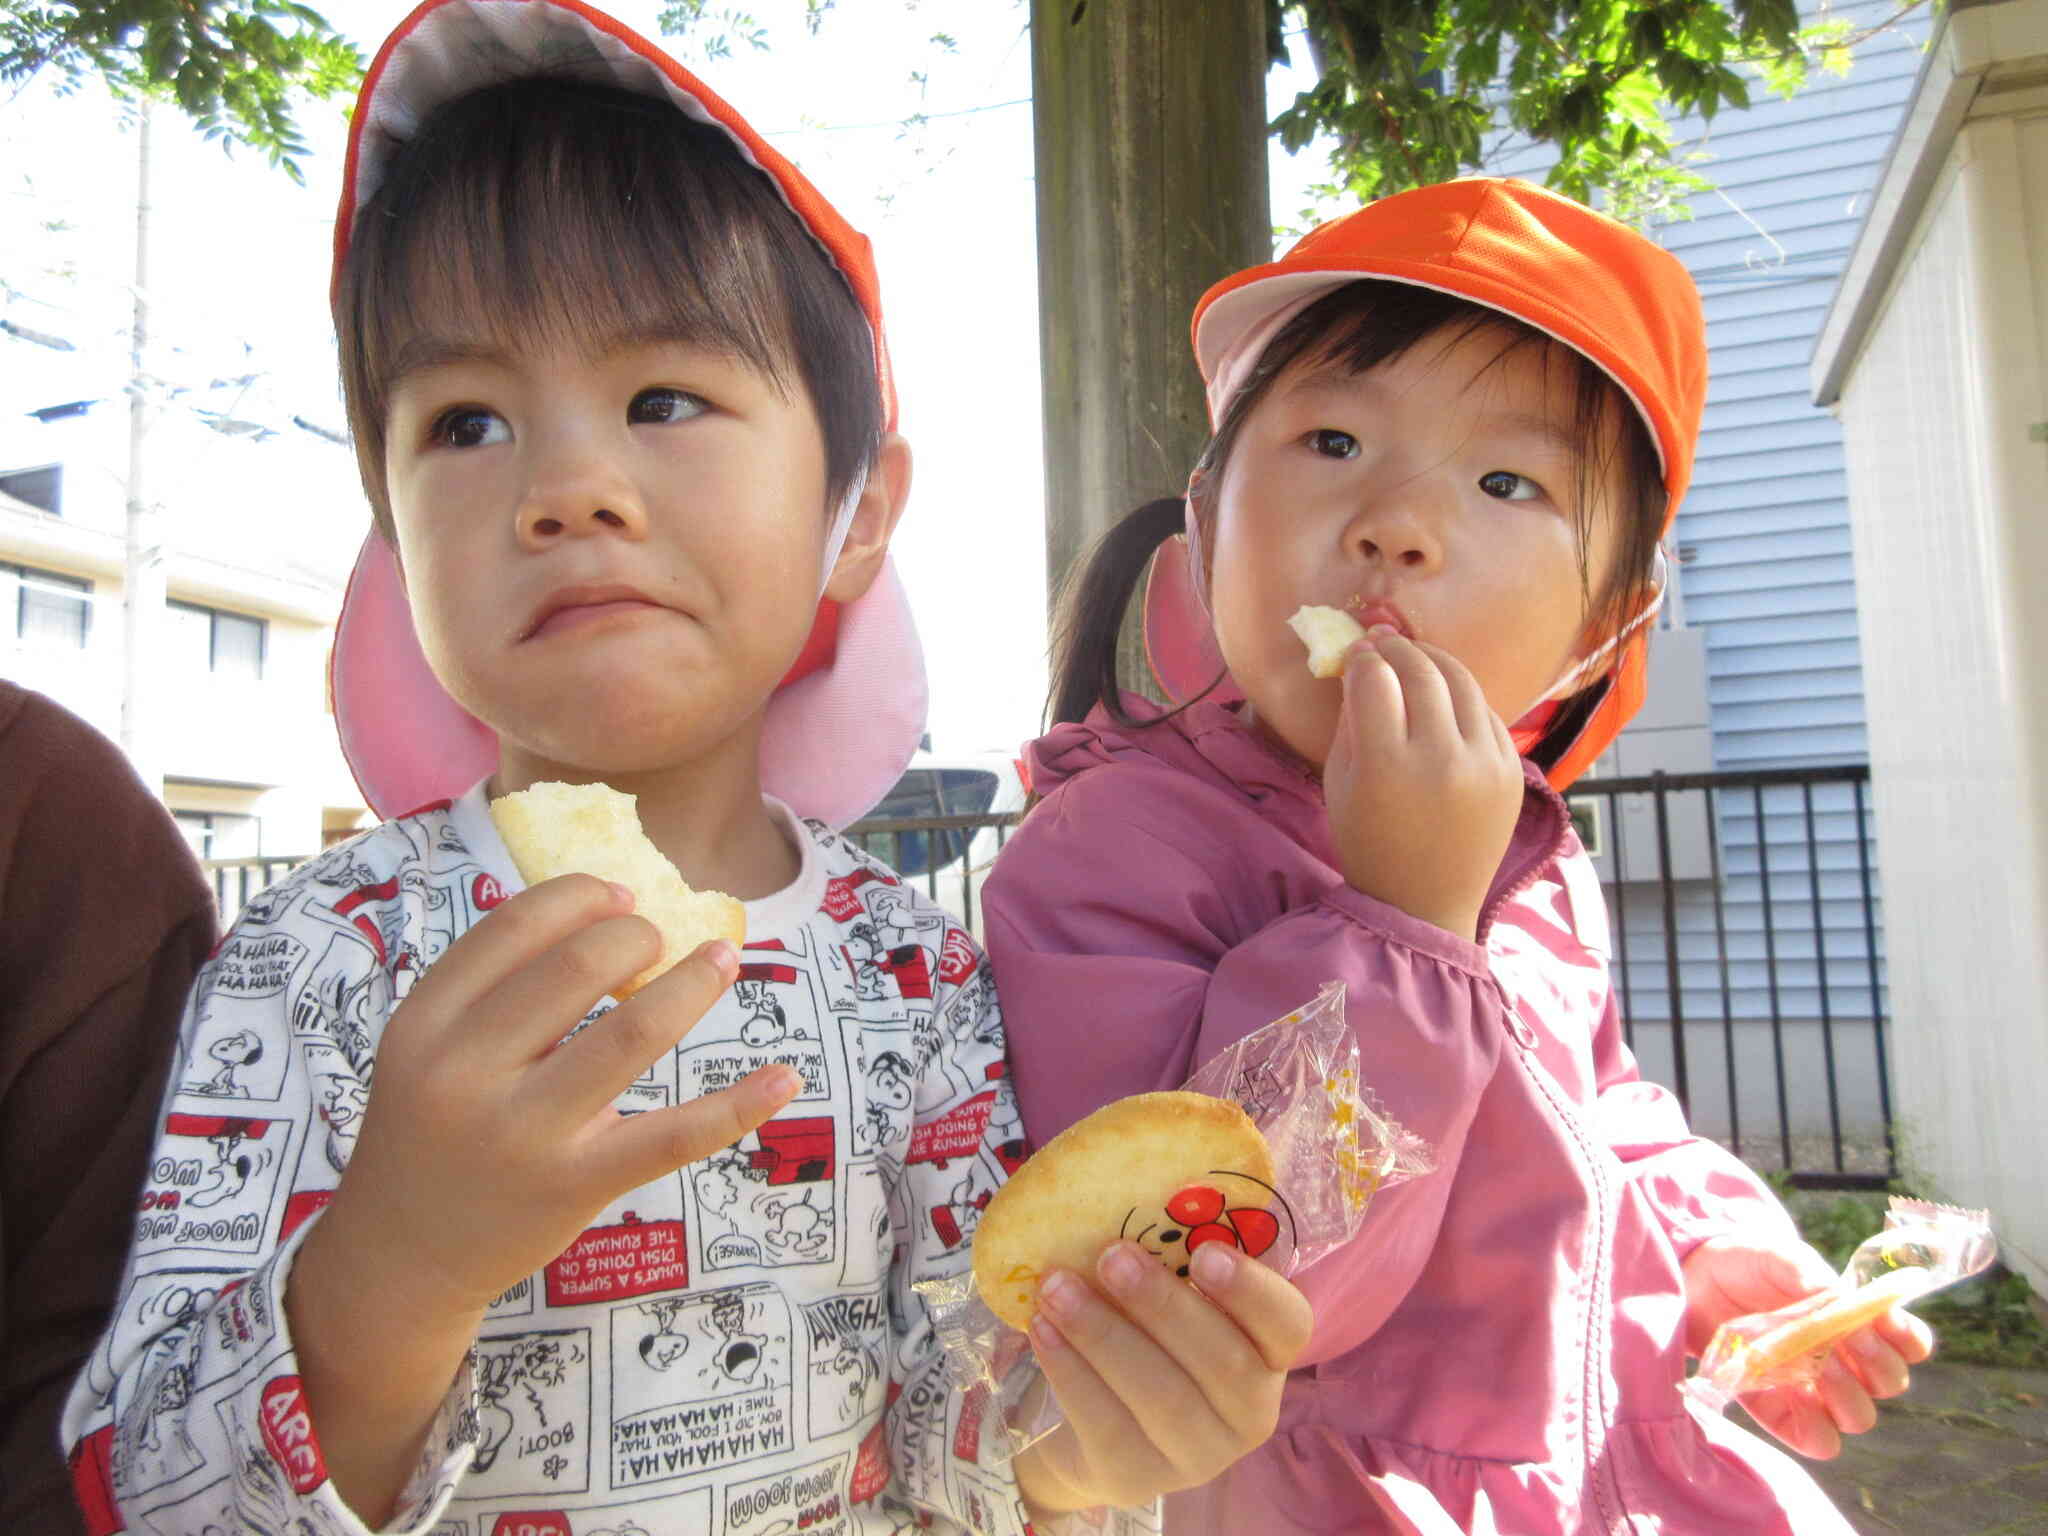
(470, 426)
(1506, 485)
(1333, 444)
(661, 405)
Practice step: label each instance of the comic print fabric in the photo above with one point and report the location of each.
(733, 1350)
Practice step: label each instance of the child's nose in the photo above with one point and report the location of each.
(580, 506)
(545, 517)
(1398, 527)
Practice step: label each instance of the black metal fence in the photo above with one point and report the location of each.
(236, 880)
(1746, 946)
(1748, 954)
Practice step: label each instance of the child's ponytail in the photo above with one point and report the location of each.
(1092, 607)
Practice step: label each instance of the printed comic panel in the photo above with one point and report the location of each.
(234, 1004)
(266, 1486)
(515, 1302)
(533, 1414)
(699, 1380)
(160, 1328)
(986, 1503)
(770, 1199)
(688, 1510)
(340, 1095)
(188, 1509)
(972, 1015)
(883, 1063)
(870, 1241)
(950, 1147)
(636, 1247)
(810, 1499)
(848, 1376)
(770, 1017)
(343, 999)
(884, 962)
(212, 1185)
(919, 1431)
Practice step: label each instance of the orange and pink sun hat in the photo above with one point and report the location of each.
(843, 724)
(1572, 273)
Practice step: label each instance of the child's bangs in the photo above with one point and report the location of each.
(552, 228)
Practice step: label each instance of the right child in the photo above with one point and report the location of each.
(1465, 414)
(452, 1244)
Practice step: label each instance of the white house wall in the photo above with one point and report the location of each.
(1948, 493)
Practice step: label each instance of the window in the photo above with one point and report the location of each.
(38, 487)
(221, 834)
(226, 644)
(926, 792)
(1588, 821)
(51, 612)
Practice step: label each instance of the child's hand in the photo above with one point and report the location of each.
(1736, 1274)
(1423, 782)
(1165, 1389)
(486, 1147)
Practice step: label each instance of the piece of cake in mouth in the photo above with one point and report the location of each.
(592, 829)
(1328, 633)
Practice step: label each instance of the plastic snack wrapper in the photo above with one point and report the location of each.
(1333, 1149)
(1923, 1247)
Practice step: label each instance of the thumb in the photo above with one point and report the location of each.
(1796, 1270)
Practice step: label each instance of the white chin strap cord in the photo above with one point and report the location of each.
(842, 524)
(1591, 666)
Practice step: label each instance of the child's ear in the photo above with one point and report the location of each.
(874, 521)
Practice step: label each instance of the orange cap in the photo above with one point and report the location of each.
(1577, 275)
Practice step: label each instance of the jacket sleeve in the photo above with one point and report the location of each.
(190, 1414)
(1133, 943)
(1697, 1188)
(106, 918)
(964, 1133)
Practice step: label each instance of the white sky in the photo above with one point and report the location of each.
(238, 286)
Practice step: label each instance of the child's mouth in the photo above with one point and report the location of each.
(1369, 614)
(584, 614)
(579, 607)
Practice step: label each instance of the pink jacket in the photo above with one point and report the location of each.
(1500, 1348)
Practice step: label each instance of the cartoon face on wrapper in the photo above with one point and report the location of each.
(1221, 1207)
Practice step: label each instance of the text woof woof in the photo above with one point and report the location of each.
(815, 1493)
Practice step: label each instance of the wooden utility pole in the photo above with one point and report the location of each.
(1150, 123)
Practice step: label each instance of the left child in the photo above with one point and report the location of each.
(455, 1246)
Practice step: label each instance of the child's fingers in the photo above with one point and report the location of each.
(1847, 1404)
(1101, 1424)
(495, 949)
(540, 1002)
(1875, 1363)
(1373, 711)
(588, 1072)
(1268, 1309)
(1907, 1334)
(1796, 1417)
(1474, 716)
(1169, 1407)
(1425, 695)
(641, 1148)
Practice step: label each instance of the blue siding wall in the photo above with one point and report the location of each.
(1768, 577)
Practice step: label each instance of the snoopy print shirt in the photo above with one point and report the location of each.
(734, 1349)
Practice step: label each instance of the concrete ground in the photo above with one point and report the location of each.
(1963, 1453)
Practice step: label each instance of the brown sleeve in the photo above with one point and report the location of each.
(104, 918)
